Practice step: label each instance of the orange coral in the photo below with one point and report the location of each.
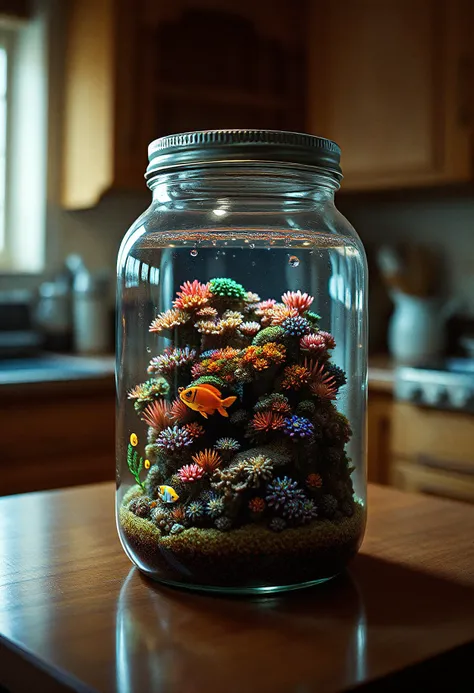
(265, 421)
(280, 312)
(178, 514)
(207, 312)
(192, 295)
(294, 377)
(158, 415)
(168, 320)
(208, 460)
(261, 357)
(295, 299)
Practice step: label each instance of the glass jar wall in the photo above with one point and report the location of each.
(241, 366)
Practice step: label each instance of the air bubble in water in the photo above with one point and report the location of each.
(193, 252)
(253, 264)
(294, 261)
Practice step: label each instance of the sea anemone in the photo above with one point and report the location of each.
(169, 320)
(190, 473)
(194, 429)
(309, 510)
(223, 524)
(178, 514)
(225, 288)
(207, 313)
(314, 480)
(280, 312)
(337, 373)
(208, 327)
(328, 506)
(178, 410)
(266, 421)
(295, 299)
(141, 506)
(329, 339)
(276, 402)
(314, 344)
(170, 360)
(277, 524)
(194, 510)
(162, 518)
(227, 446)
(295, 377)
(257, 505)
(257, 469)
(157, 415)
(215, 505)
(281, 491)
(207, 460)
(249, 329)
(296, 326)
(174, 439)
(306, 408)
(192, 295)
(147, 392)
(321, 384)
(298, 427)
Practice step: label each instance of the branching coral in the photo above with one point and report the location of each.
(215, 505)
(258, 469)
(192, 295)
(171, 360)
(169, 320)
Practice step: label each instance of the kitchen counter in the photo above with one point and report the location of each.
(76, 616)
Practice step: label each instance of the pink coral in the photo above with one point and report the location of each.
(190, 473)
(295, 299)
(192, 295)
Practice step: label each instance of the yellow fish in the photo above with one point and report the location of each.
(206, 399)
(167, 494)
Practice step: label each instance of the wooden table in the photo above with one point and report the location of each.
(75, 615)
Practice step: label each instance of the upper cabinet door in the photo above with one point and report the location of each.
(390, 82)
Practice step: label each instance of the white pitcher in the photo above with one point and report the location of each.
(416, 332)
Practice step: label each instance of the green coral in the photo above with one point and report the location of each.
(269, 334)
(147, 392)
(135, 464)
(209, 380)
(312, 318)
(227, 288)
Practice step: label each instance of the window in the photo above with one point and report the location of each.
(5, 43)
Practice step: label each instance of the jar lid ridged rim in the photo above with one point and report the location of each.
(208, 146)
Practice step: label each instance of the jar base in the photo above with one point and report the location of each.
(236, 591)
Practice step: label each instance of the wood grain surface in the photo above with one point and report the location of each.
(75, 615)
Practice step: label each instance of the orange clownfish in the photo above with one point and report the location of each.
(206, 399)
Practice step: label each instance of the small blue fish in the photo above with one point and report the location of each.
(167, 494)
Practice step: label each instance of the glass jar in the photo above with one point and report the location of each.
(241, 366)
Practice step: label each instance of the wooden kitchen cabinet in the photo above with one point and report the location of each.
(391, 83)
(140, 69)
(433, 451)
(379, 421)
(56, 434)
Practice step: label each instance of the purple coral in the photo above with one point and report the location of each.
(171, 359)
(174, 439)
(284, 494)
(298, 427)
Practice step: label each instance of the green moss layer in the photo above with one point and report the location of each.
(246, 557)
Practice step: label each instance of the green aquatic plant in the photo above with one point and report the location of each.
(135, 464)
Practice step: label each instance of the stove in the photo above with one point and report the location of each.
(446, 385)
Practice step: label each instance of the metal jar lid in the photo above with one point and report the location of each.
(233, 146)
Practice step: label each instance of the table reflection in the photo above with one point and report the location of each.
(169, 640)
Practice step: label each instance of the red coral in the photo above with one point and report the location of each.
(190, 473)
(194, 429)
(295, 299)
(329, 339)
(158, 415)
(315, 344)
(179, 411)
(322, 384)
(257, 505)
(314, 480)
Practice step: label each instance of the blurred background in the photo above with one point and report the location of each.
(85, 85)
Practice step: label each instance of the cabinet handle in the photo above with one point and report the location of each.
(464, 114)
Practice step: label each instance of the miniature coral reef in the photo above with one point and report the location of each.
(245, 447)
